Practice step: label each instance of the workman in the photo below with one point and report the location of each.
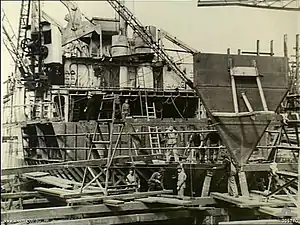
(212, 140)
(125, 109)
(181, 181)
(231, 171)
(155, 183)
(133, 179)
(90, 107)
(171, 144)
(195, 142)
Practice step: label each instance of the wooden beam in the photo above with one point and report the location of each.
(24, 194)
(196, 200)
(34, 201)
(60, 212)
(246, 202)
(63, 193)
(118, 197)
(178, 202)
(112, 202)
(254, 222)
(72, 164)
(266, 167)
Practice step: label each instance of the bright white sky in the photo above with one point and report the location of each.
(207, 29)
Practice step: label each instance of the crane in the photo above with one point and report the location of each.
(15, 52)
(139, 29)
(176, 41)
(53, 21)
(291, 5)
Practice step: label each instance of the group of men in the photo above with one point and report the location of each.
(155, 183)
(195, 148)
(90, 109)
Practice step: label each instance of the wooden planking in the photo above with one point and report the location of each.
(255, 222)
(34, 201)
(123, 219)
(266, 167)
(61, 212)
(288, 174)
(112, 202)
(277, 211)
(203, 201)
(72, 164)
(123, 197)
(64, 193)
(247, 202)
(24, 194)
(55, 181)
(280, 197)
(178, 202)
(37, 174)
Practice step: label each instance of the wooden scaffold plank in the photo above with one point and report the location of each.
(123, 219)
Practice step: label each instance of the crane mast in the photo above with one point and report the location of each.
(137, 27)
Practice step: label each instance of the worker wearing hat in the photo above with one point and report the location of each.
(181, 181)
(133, 179)
(171, 144)
(155, 183)
(231, 171)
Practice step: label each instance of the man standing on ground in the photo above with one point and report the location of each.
(181, 181)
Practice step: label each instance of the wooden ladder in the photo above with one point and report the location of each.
(153, 130)
(107, 143)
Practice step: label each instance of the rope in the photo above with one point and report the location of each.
(177, 109)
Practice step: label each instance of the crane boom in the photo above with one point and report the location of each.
(54, 22)
(15, 53)
(176, 41)
(139, 29)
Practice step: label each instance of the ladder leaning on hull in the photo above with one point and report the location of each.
(150, 114)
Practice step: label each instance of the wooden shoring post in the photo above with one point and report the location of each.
(243, 183)
(260, 89)
(296, 202)
(271, 48)
(289, 141)
(115, 147)
(65, 141)
(206, 183)
(280, 188)
(89, 156)
(233, 87)
(285, 48)
(93, 174)
(111, 131)
(297, 76)
(92, 181)
(248, 105)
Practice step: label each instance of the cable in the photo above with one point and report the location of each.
(177, 108)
